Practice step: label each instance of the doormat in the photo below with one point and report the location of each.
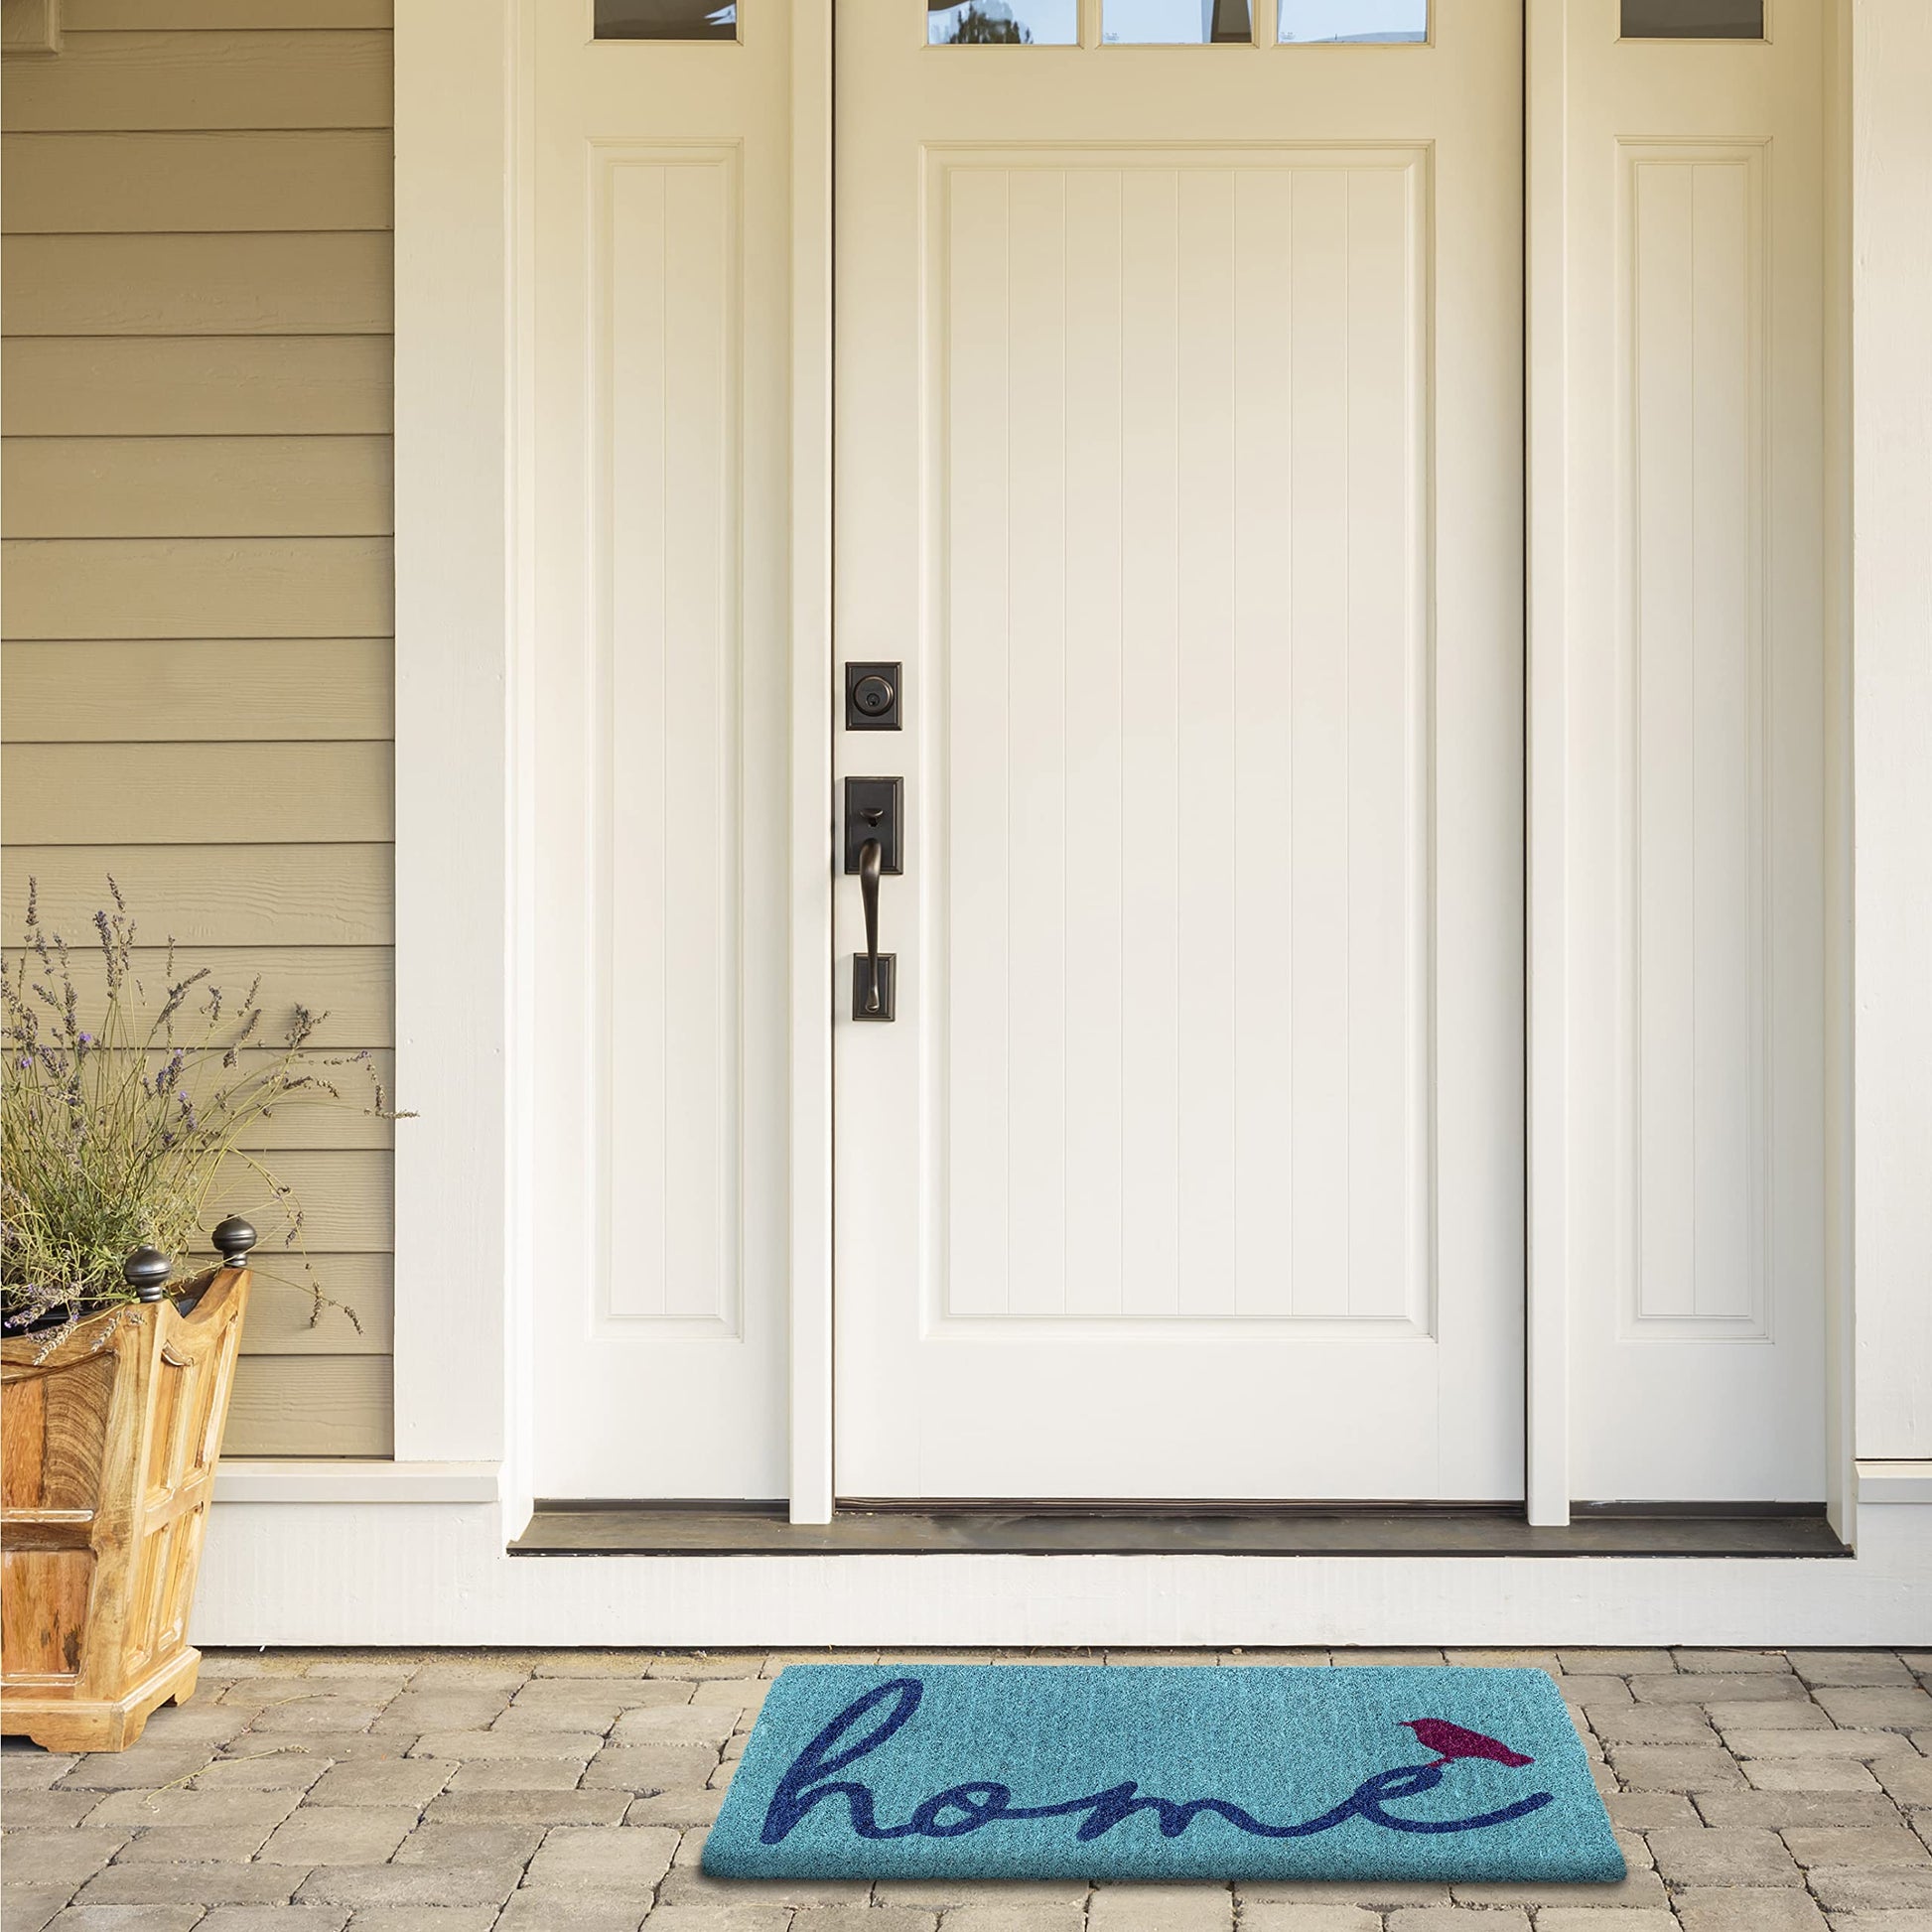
(1125, 1771)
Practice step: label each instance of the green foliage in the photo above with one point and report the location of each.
(112, 1135)
(977, 28)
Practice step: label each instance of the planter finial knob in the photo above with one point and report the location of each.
(232, 1240)
(146, 1272)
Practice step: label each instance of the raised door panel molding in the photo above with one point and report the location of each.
(665, 530)
(1185, 998)
(1699, 677)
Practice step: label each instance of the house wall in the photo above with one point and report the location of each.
(198, 590)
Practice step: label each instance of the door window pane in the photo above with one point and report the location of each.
(1002, 23)
(1692, 20)
(1341, 22)
(666, 20)
(1175, 23)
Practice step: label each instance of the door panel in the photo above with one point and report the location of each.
(658, 241)
(1179, 459)
(1694, 303)
(1185, 808)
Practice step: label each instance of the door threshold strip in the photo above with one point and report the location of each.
(709, 1529)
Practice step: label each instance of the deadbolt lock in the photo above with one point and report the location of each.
(872, 697)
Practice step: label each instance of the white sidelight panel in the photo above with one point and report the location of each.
(1694, 734)
(657, 234)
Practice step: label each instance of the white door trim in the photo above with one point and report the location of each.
(462, 1173)
(811, 762)
(467, 1243)
(1547, 1325)
(1890, 256)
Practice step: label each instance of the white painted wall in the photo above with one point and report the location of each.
(1891, 569)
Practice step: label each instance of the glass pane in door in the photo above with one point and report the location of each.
(1345, 21)
(1002, 23)
(666, 20)
(1175, 23)
(1692, 20)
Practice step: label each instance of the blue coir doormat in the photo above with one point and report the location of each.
(1017, 1772)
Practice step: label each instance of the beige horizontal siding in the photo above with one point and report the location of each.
(351, 988)
(196, 184)
(100, 16)
(122, 82)
(354, 1126)
(280, 1310)
(190, 385)
(198, 486)
(149, 691)
(198, 794)
(213, 894)
(189, 586)
(197, 593)
(304, 1124)
(197, 284)
(312, 1405)
(345, 1192)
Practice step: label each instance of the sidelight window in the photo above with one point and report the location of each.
(1692, 20)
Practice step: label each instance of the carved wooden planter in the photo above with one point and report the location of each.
(108, 1454)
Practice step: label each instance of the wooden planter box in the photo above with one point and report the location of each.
(107, 1455)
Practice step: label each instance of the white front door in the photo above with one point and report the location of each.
(1178, 447)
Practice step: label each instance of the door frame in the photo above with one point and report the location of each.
(465, 671)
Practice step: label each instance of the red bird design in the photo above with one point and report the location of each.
(1451, 1741)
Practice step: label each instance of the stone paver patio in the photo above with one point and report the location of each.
(307, 1791)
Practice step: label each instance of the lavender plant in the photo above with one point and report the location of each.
(113, 1133)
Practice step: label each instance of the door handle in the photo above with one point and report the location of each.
(874, 841)
(870, 854)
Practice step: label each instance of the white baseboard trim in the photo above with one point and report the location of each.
(363, 1572)
(1895, 1483)
(276, 1480)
